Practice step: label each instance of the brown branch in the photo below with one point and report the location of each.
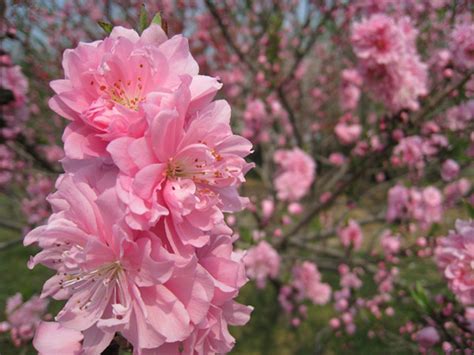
(31, 150)
(434, 102)
(242, 56)
(10, 243)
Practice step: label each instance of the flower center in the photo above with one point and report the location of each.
(105, 273)
(123, 93)
(198, 170)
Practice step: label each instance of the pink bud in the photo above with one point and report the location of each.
(427, 337)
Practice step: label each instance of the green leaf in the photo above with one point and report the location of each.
(143, 20)
(107, 27)
(418, 293)
(157, 19)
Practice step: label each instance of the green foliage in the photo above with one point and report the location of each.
(143, 19)
(107, 27)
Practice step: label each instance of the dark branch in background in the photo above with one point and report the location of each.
(299, 55)
(215, 14)
(10, 243)
(435, 101)
(291, 115)
(31, 150)
(319, 206)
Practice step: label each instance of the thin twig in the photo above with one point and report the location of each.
(10, 243)
(242, 56)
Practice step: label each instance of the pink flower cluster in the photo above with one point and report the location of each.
(23, 317)
(137, 236)
(14, 113)
(34, 206)
(455, 257)
(305, 285)
(413, 151)
(422, 205)
(351, 235)
(462, 45)
(256, 120)
(295, 174)
(350, 88)
(388, 60)
(262, 262)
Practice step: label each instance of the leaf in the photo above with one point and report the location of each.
(157, 19)
(418, 293)
(143, 20)
(107, 27)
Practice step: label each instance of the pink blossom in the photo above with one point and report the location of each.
(377, 38)
(295, 208)
(348, 133)
(7, 165)
(455, 257)
(307, 282)
(211, 334)
(456, 190)
(115, 279)
(189, 168)
(52, 338)
(462, 45)
(256, 120)
(388, 61)
(427, 337)
(457, 118)
(35, 206)
(350, 280)
(433, 205)
(23, 317)
(268, 206)
(261, 263)
(337, 158)
(350, 91)
(397, 202)
(15, 112)
(108, 81)
(295, 174)
(351, 235)
(449, 170)
(409, 152)
(390, 243)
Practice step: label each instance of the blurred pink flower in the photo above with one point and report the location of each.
(388, 60)
(456, 190)
(307, 282)
(409, 152)
(337, 158)
(256, 120)
(348, 133)
(449, 170)
(351, 235)
(14, 113)
(462, 45)
(427, 337)
(378, 38)
(296, 172)
(23, 317)
(455, 257)
(261, 263)
(390, 243)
